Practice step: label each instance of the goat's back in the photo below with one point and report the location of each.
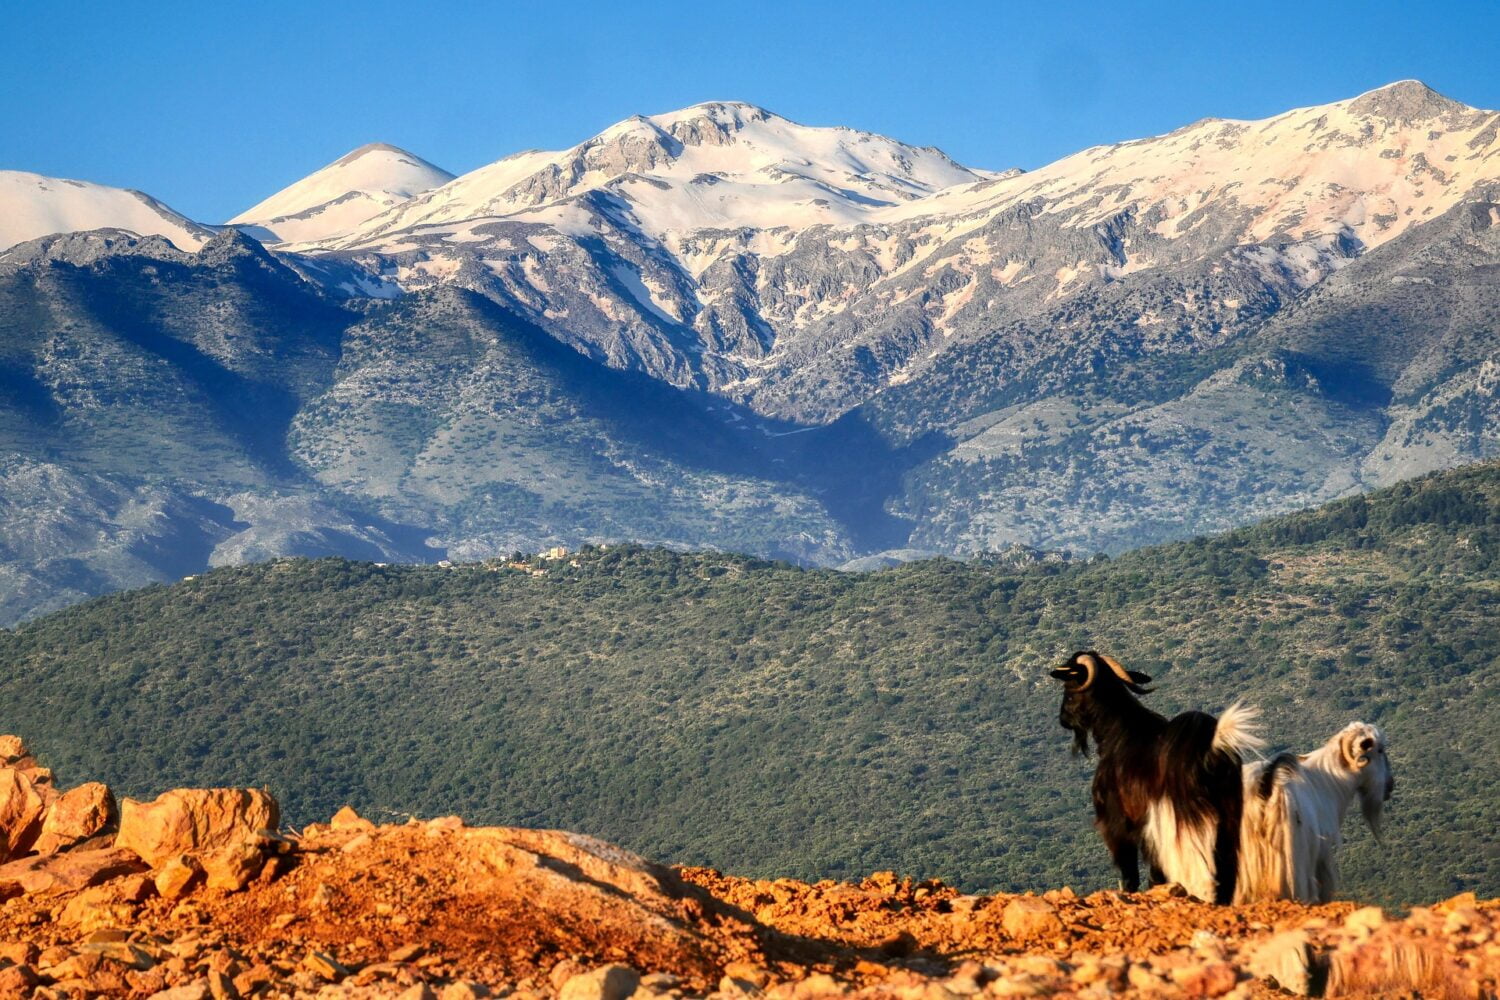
(1201, 788)
(1188, 754)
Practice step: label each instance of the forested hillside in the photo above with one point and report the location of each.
(711, 708)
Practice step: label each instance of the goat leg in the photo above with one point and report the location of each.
(1127, 859)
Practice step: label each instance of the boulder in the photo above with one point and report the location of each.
(324, 966)
(347, 819)
(12, 749)
(1211, 980)
(230, 869)
(1288, 959)
(54, 874)
(177, 876)
(21, 809)
(18, 981)
(113, 904)
(195, 819)
(75, 816)
(1030, 916)
(611, 982)
(1365, 921)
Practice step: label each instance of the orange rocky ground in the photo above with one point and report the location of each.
(198, 895)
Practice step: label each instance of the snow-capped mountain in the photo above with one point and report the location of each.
(719, 165)
(803, 269)
(882, 349)
(341, 196)
(1365, 169)
(33, 205)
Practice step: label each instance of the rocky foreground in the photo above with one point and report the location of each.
(200, 894)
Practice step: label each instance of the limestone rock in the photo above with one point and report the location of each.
(254, 979)
(189, 819)
(221, 986)
(75, 816)
(120, 951)
(324, 965)
(407, 953)
(1365, 920)
(178, 875)
(1212, 980)
(1030, 916)
(231, 868)
(18, 952)
(12, 749)
(610, 982)
(21, 810)
(347, 819)
(1287, 958)
(53, 874)
(463, 991)
(17, 980)
(749, 975)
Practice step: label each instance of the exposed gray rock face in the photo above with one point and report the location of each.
(803, 291)
(1384, 370)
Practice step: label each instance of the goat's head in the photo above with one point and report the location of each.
(1363, 751)
(1087, 677)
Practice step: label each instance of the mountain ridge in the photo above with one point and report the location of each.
(1091, 356)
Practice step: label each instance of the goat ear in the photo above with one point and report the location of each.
(1139, 677)
(1068, 673)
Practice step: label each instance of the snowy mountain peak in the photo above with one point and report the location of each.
(1405, 101)
(33, 205)
(1365, 169)
(347, 192)
(376, 148)
(710, 166)
(724, 115)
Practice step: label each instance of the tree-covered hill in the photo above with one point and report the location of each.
(712, 708)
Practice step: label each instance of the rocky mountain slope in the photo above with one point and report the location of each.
(200, 893)
(838, 723)
(806, 314)
(812, 343)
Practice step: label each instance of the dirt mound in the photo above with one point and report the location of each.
(435, 908)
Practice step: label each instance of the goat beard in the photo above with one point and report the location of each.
(1080, 741)
(1373, 808)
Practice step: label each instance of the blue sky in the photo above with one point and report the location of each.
(212, 106)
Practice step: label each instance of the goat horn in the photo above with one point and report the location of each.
(1120, 671)
(1092, 666)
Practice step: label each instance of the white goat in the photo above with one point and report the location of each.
(1294, 812)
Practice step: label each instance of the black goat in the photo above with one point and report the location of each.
(1171, 790)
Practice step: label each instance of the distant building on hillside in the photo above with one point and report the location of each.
(556, 552)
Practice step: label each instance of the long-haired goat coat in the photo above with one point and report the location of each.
(1172, 790)
(1294, 814)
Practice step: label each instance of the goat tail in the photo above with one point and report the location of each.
(1238, 730)
(1267, 861)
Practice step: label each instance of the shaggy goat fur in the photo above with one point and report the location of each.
(1294, 814)
(1168, 789)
